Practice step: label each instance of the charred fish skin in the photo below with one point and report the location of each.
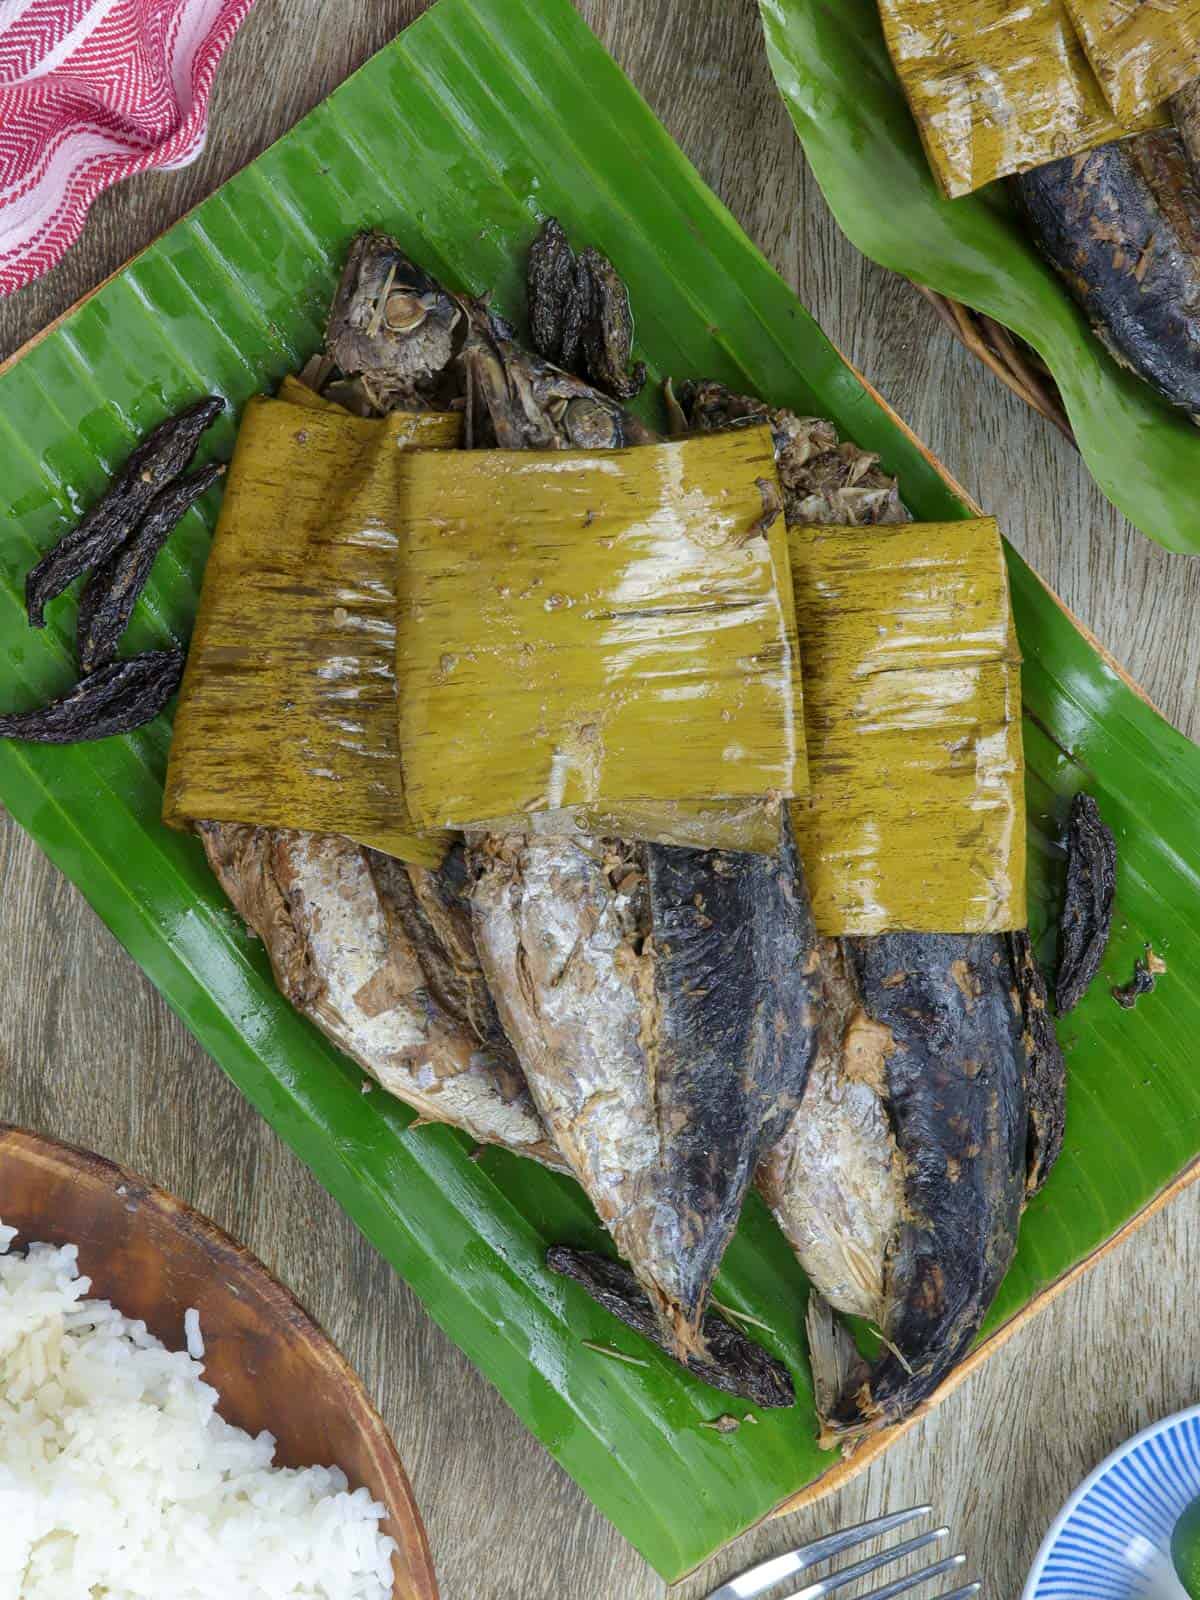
(733, 1033)
(954, 1060)
(1121, 225)
(340, 955)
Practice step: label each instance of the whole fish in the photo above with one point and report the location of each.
(900, 1180)
(663, 1003)
(378, 955)
(662, 1000)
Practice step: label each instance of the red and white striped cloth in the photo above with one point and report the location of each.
(92, 91)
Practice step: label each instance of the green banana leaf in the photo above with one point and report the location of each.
(832, 65)
(481, 117)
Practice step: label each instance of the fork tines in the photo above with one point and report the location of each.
(764, 1577)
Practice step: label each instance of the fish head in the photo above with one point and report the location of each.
(391, 321)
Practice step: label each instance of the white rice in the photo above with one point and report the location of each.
(118, 1481)
(191, 1332)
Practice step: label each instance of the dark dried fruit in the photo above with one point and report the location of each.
(1045, 1069)
(1144, 981)
(113, 588)
(1088, 902)
(735, 1363)
(555, 309)
(116, 699)
(160, 457)
(579, 313)
(607, 327)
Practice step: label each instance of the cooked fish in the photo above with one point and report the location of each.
(393, 330)
(900, 1180)
(946, 1051)
(661, 1000)
(334, 919)
(663, 1004)
(519, 401)
(1121, 225)
(378, 955)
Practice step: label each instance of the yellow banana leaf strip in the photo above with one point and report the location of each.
(915, 819)
(749, 825)
(1142, 51)
(997, 86)
(580, 628)
(287, 712)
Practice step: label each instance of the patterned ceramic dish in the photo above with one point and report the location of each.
(1112, 1539)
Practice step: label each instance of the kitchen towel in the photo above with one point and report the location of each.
(92, 91)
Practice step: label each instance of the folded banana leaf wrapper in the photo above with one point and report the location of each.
(997, 86)
(288, 712)
(832, 65)
(1141, 52)
(622, 625)
(915, 816)
(483, 116)
(590, 628)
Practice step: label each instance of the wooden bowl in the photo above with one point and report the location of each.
(153, 1257)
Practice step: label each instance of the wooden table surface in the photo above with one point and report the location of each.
(90, 1053)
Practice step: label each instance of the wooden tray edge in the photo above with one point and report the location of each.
(851, 1466)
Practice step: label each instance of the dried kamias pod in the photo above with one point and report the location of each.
(160, 457)
(113, 588)
(734, 1363)
(579, 313)
(115, 699)
(1091, 887)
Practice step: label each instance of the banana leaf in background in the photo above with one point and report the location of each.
(833, 68)
(481, 117)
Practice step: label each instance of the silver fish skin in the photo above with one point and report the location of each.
(340, 954)
(834, 1179)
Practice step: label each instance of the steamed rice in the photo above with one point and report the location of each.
(118, 1481)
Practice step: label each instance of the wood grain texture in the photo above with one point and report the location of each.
(89, 1052)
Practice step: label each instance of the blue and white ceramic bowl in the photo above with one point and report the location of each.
(1112, 1540)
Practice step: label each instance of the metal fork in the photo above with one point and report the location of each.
(758, 1580)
